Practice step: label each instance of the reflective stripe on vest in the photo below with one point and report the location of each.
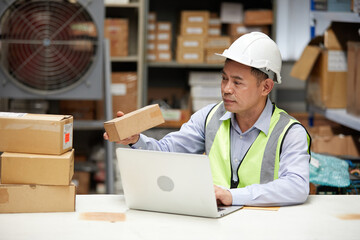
(260, 163)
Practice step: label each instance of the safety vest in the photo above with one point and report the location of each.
(261, 162)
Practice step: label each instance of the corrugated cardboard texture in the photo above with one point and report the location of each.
(325, 88)
(353, 79)
(20, 168)
(303, 67)
(36, 198)
(124, 92)
(134, 122)
(36, 133)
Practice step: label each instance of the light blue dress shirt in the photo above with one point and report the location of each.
(292, 186)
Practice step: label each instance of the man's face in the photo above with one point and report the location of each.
(240, 90)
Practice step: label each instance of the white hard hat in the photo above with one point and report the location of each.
(256, 50)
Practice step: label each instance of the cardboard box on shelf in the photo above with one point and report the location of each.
(194, 30)
(221, 42)
(35, 133)
(190, 56)
(326, 73)
(163, 56)
(353, 79)
(212, 58)
(43, 169)
(134, 122)
(258, 17)
(117, 31)
(334, 141)
(190, 42)
(152, 16)
(15, 198)
(195, 17)
(162, 26)
(124, 92)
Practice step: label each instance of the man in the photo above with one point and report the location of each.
(259, 155)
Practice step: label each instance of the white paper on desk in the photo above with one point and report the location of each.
(231, 12)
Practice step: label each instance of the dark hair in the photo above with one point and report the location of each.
(260, 76)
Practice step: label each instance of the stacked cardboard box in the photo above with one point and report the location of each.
(159, 40)
(214, 25)
(216, 45)
(324, 64)
(37, 163)
(254, 21)
(117, 31)
(193, 32)
(353, 78)
(124, 92)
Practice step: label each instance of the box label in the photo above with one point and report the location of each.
(196, 19)
(68, 131)
(12, 114)
(194, 30)
(191, 56)
(337, 61)
(191, 43)
(171, 115)
(118, 89)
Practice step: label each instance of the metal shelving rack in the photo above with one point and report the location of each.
(137, 57)
(337, 115)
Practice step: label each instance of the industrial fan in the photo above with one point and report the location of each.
(51, 49)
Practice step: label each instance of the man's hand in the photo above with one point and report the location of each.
(223, 196)
(130, 140)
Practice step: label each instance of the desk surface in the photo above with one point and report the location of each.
(318, 218)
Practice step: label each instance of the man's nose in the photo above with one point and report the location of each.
(229, 88)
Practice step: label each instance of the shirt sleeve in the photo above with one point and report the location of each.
(189, 139)
(292, 186)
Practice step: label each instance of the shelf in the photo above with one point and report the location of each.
(123, 5)
(124, 59)
(174, 64)
(338, 115)
(335, 16)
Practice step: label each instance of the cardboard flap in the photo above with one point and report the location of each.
(302, 68)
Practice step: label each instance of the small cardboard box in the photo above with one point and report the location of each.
(134, 122)
(190, 55)
(124, 92)
(353, 78)
(22, 168)
(195, 17)
(212, 58)
(117, 31)
(190, 42)
(163, 56)
(326, 73)
(35, 133)
(36, 198)
(258, 17)
(338, 145)
(194, 30)
(222, 42)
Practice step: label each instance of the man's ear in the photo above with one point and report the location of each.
(267, 86)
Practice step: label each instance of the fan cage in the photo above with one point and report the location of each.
(47, 46)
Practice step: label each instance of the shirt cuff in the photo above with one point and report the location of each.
(140, 144)
(240, 196)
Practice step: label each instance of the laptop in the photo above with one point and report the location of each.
(178, 183)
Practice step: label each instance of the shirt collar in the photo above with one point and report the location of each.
(263, 122)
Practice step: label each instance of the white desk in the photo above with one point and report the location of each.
(316, 219)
